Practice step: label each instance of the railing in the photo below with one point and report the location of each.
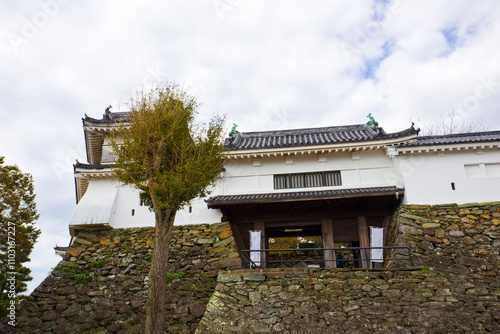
(265, 262)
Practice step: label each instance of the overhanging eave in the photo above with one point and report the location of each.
(222, 201)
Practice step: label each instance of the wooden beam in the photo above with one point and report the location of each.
(285, 224)
(237, 237)
(328, 242)
(308, 213)
(364, 241)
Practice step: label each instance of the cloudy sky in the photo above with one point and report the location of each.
(265, 64)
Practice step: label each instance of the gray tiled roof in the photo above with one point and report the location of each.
(311, 136)
(92, 166)
(220, 200)
(457, 138)
(108, 117)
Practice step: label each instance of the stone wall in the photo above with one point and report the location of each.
(455, 290)
(101, 286)
(461, 237)
(342, 301)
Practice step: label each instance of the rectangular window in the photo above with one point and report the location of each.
(307, 180)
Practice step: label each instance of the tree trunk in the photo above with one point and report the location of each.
(155, 307)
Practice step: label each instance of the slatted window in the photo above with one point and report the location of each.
(307, 180)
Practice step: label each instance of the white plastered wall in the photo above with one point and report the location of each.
(123, 216)
(358, 169)
(428, 177)
(106, 202)
(97, 205)
(242, 176)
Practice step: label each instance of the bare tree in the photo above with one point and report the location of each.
(449, 124)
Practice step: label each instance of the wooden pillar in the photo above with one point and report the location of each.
(237, 237)
(328, 242)
(364, 241)
(263, 256)
(387, 226)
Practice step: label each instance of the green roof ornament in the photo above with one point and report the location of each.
(234, 133)
(371, 123)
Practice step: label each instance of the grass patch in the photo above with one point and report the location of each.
(171, 277)
(81, 277)
(73, 274)
(99, 263)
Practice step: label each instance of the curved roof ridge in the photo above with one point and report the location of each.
(83, 165)
(108, 117)
(312, 136)
(286, 132)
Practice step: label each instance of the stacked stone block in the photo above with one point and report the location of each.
(417, 300)
(462, 237)
(101, 285)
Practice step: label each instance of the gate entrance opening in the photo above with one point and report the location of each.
(334, 218)
(303, 243)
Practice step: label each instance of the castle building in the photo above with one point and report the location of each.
(337, 182)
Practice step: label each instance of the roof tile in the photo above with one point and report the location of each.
(216, 201)
(311, 136)
(457, 138)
